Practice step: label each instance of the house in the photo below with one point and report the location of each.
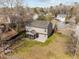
(39, 30)
(61, 17)
(4, 19)
(35, 16)
(6, 32)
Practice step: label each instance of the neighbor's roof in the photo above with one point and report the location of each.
(39, 24)
(8, 35)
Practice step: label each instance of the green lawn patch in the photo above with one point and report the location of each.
(28, 43)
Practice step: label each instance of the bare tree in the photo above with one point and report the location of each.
(10, 4)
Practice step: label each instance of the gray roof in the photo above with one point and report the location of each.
(39, 24)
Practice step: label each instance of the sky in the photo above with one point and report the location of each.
(47, 3)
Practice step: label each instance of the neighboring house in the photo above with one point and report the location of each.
(39, 30)
(35, 16)
(4, 19)
(61, 17)
(6, 32)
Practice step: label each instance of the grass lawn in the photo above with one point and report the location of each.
(53, 48)
(28, 43)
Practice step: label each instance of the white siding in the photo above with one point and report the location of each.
(61, 17)
(43, 33)
(42, 38)
(35, 17)
(38, 30)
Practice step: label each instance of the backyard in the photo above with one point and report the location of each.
(53, 48)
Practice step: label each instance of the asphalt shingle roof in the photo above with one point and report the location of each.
(39, 24)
